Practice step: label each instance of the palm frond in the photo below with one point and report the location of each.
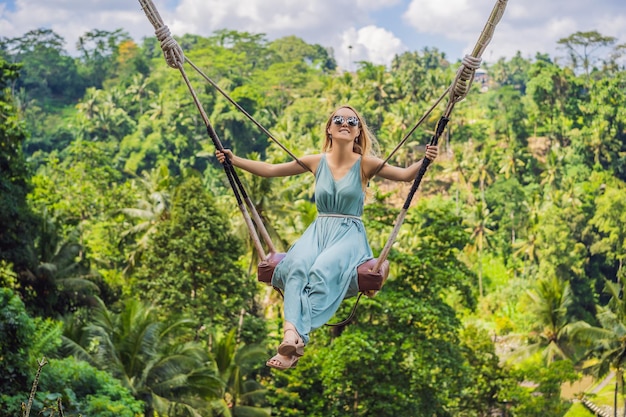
(249, 411)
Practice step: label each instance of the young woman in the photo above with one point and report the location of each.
(320, 269)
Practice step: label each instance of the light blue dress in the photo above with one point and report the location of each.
(320, 269)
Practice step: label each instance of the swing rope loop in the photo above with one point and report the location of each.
(174, 55)
(465, 77)
(175, 58)
(463, 81)
(457, 91)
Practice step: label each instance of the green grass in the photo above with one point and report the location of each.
(578, 410)
(605, 395)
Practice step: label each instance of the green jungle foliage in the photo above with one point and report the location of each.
(125, 262)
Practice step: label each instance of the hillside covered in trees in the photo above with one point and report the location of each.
(125, 263)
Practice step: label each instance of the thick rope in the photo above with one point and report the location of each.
(174, 55)
(461, 85)
(245, 113)
(457, 92)
(173, 52)
(175, 58)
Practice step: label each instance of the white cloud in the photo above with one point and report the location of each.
(373, 27)
(72, 19)
(370, 43)
(331, 23)
(382, 45)
(530, 26)
(453, 19)
(375, 4)
(317, 20)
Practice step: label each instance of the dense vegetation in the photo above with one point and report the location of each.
(125, 263)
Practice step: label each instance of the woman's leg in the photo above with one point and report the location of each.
(330, 278)
(290, 350)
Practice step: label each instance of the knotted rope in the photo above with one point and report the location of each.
(462, 83)
(463, 80)
(172, 51)
(457, 92)
(175, 58)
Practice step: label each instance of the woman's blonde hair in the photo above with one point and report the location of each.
(365, 144)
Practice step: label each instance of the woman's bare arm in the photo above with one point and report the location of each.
(265, 169)
(395, 173)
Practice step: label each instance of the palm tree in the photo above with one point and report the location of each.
(138, 90)
(377, 90)
(153, 358)
(110, 121)
(511, 162)
(234, 363)
(553, 335)
(527, 247)
(460, 172)
(153, 207)
(89, 105)
(62, 279)
(480, 231)
(551, 174)
(607, 343)
(158, 107)
(481, 172)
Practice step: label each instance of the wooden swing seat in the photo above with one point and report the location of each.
(369, 282)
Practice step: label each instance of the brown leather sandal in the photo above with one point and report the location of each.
(277, 362)
(289, 348)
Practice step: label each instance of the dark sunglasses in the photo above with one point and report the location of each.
(352, 120)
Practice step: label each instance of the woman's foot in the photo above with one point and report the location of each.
(283, 362)
(292, 344)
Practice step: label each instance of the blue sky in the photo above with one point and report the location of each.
(375, 29)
